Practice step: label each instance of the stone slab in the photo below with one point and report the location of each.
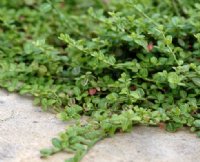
(25, 129)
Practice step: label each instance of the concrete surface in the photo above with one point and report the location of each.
(24, 129)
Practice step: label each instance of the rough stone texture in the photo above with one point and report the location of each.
(24, 129)
(147, 145)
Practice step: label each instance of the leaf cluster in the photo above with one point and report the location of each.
(120, 63)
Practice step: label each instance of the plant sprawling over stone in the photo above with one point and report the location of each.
(120, 63)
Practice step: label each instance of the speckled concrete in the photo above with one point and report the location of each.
(24, 129)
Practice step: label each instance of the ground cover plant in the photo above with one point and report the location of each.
(119, 63)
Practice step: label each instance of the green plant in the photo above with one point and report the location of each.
(120, 63)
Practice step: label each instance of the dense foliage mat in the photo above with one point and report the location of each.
(118, 62)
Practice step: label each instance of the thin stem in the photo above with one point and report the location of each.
(160, 31)
(174, 4)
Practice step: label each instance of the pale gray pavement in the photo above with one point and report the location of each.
(24, 129)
